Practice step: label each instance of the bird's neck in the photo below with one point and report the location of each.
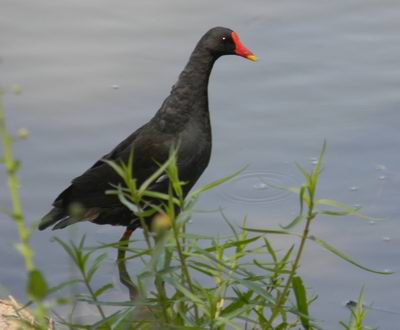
(196, 73)
(188, 100)
(189, 95)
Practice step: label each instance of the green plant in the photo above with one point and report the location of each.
(186, 280)
(358, 313)
(190, 281)
(87, 270)
(36, 285)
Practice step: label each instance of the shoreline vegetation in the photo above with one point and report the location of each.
(186, 280)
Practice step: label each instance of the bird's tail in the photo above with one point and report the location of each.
(56, 214)
(61, 218)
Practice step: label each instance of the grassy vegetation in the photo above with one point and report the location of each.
(36, 287)
(186, 280)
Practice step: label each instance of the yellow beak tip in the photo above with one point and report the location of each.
(252, 57)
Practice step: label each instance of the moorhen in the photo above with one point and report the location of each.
(183, 120)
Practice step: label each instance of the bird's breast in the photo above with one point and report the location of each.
(194, 150)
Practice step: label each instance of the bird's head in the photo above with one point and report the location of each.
(223, 41)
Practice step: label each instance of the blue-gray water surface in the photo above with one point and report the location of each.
(94, 71)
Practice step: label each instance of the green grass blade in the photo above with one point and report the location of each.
(342, 207)
(103, 289)
(301, 300)
(270, 231)
(214, 184)
(341, 255)
(228, 245)
(155, 176)
(183, 290)
(317, 169)
(294, 222)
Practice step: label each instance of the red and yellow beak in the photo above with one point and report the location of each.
(241, 50)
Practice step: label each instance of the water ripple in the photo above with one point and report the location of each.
(258, 187)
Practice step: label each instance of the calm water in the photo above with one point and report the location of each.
(94, 71)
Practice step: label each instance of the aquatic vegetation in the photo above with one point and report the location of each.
(36, 287)
(186, 280)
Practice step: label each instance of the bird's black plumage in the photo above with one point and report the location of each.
(183, 120)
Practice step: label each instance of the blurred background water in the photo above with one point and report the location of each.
(94, 71)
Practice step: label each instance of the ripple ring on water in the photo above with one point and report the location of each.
(258, 187)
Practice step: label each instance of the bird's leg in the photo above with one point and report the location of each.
(124, 277)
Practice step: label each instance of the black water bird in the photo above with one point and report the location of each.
(183, 120)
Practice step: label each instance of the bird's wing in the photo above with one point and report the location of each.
(149, 148)
(116, 152)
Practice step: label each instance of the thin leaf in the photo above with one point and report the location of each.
(270, 250)
(301, 300)
(341, 255)
(237, 304)
(232, 244)
(214, 184)
(95, 266)
(117, 168)
(304, 172)
(183, 290)
(282, 326)
(67, 248)
(103, 289)
(105, 323)
(124, 200)
(259, 288)
(206, 271)
(343, 207)
(229, 224)
(284, 261)
(37, 288)
(63, 285)
(294, 222)
(317, 171)
(155, 175)
(271, 231)
(158, 195)
(129, 303)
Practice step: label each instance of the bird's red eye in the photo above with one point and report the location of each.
(223, 38)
